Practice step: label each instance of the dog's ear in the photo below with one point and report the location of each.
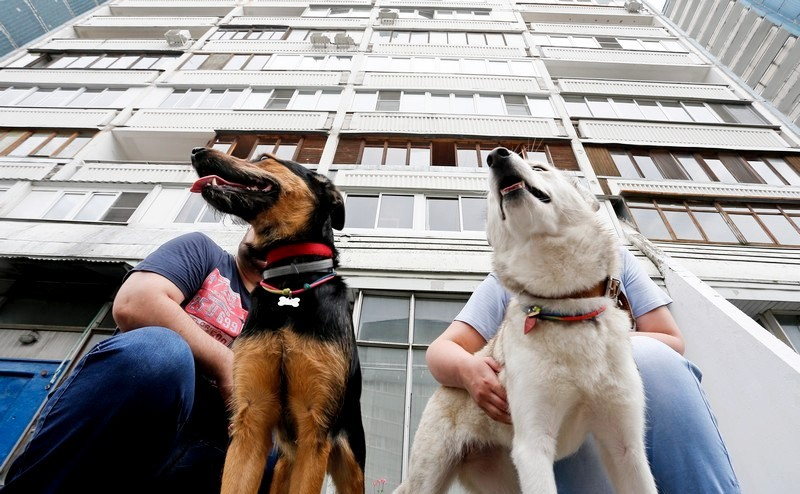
(586, 194)
(334, 198)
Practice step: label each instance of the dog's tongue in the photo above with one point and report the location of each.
(211, 179)
(511, 188)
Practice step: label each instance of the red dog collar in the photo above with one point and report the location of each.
(297, 250)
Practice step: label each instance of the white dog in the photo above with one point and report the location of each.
(564, 378)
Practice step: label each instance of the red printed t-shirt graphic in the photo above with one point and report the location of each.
(218, 309)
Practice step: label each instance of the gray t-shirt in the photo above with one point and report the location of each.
(486, 307)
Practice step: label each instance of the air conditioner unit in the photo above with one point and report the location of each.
(633, 6)
(343, 40)
(388, 16)
(177, 37)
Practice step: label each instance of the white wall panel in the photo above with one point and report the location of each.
(102, 78)
(227, 120)
(20, 169)
(134, 173)
(381, 179)
(75, 119)
(610, 56)
(131, 45)
(600, 30)
(711, 190)
(653, 89)
(245, 78)
(682, 134)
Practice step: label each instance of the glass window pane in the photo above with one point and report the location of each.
(305, 100)
(440, 103)
(682, 225)
(423, 385)
(396, 156)
(765, 172)
(443, 215)
(749, 227)
(473, 214)
(540, 107)
(720, 171)
(73, 147)
(467, 157)
(627, 108)
(388, 101)
(781, 228)
(96, 207)
(413, 102)
(360, 211)
(744, 114)
(577, 107)
(651, 110)
(464, 104)
(675, 111)
(280, 99)
(648, 167)
(432, 316)
(383, 409)
(364, 101)
(517, 104)
(457, 38)
(420, 156)
(191, 208)
(601, 107)
(329, 100)
(624, 164)
(490, 104)
(51, 146)
(396, 211)
(650, 224)
(286, 151)
(124, 207)
(28, 145)
(384, 318)
(64, 205)
(785, 170)
(692, 167)
(700, 112)
(713, 224)
(257, 62)
(791, 327)
(372, 155)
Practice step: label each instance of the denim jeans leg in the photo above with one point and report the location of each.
(686, 451)
(114, 421)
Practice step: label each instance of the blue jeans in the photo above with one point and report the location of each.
(686, 452)
(134, 416)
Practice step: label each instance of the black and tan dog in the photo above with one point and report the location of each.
(296, 368)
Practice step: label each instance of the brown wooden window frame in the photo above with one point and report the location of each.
(308, 151)
(70, 134)
(724, 209)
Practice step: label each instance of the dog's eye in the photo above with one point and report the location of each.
(539, 168)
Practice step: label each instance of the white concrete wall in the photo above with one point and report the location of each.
(752, 379)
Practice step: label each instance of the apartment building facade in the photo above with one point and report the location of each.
(399, 102)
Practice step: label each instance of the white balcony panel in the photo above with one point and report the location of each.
(171, 22)
(600, 30)
(108, 45)
(134, 173)
(380, 179)
(94, 78)
(615, 56)
(267, 46)
(228, 120)
(71, 119)
(456, 82)
(156, 7)
(651, 89)
(435, 4)
(476, 125)
(245, 78)
(453, 25)
(680, 134)
(582, 14)
(619, 186)
(305, 3)
(17, 169)
(300, 22)
(452, 50)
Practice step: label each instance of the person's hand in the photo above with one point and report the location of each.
(480, 380)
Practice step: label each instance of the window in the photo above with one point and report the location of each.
(717, 222)
(456, 214)
(197, 210)
(78, 205)
(449, 37)
(394, 331)
(464, 104)
(223, 61)
(302, 149)
(145, 61)
(700, 167)
(61, 144)
(249, 34)
(672, 111)
(287, 99)
(379, 211)
(380, 152)
(784, 325)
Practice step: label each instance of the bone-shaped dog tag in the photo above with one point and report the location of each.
(293, 301)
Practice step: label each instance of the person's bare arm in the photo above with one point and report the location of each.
(451, 361)
(149, 299)
(659, 324)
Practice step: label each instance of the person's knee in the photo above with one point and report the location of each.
(654, 357)
(156, 357)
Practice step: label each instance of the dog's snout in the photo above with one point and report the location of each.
(198, 150)
(497, 155)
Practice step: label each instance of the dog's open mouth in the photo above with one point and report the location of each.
(217, 181)
(521, 185)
